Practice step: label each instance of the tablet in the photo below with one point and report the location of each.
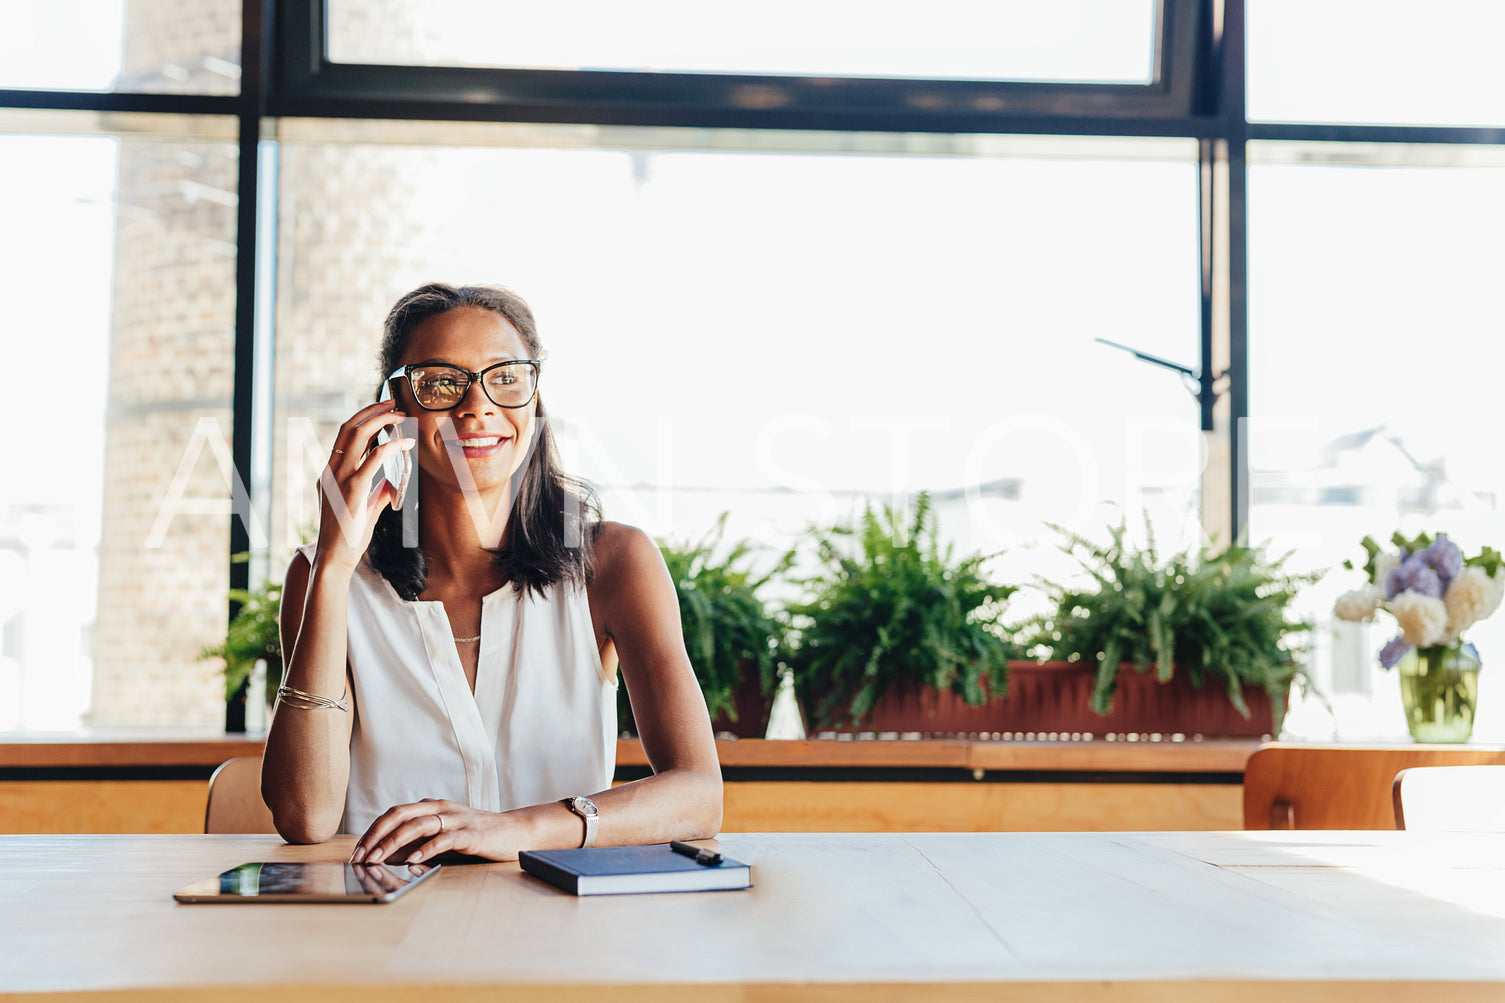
(323, 881)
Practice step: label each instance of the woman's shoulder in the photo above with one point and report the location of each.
(631, 589)
(299, 566)
(622, 551)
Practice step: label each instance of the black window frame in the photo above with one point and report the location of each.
(307, 79)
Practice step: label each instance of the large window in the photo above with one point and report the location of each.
(118, 267)
(1372, 275)
(809, 327)
(1377, 62)
(146, 46)
(59, 229)
(780, 273)
(1103, 41)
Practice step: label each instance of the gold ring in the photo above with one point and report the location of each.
(440, 819)
(338, 452)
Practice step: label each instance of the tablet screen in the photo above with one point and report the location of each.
(322, 881)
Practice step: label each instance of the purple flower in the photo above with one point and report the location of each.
(1427, 582)
(1393, 652)
(1444, 557)
(1415, 575)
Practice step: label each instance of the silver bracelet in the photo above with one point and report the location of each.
(299, 700)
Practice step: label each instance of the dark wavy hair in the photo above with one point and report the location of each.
(554, 518)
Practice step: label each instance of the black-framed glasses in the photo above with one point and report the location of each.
(438, 386)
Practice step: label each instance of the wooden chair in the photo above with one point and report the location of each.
(1292, 786)
(235, 803)
(1450, 798)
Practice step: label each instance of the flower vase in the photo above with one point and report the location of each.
(1439, 687)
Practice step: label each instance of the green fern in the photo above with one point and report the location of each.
(252, 634)
(723, 618)
(1223, 617)
(887, 606)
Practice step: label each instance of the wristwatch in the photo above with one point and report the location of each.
(586, 809)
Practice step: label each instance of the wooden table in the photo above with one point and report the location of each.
(1293, 916)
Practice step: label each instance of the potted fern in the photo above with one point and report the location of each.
(1214, 627)
(895, 629)
(732, 638)
(253, 635)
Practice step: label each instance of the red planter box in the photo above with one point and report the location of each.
(1047, 697)
(751, 705)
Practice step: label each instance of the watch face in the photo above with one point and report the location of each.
(585, 806)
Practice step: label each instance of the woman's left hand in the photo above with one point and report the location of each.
(424, 829)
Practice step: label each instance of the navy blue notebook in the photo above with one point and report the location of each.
(619, 870)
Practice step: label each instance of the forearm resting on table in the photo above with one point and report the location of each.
(306, 765)
(678, 803)
(674, 804)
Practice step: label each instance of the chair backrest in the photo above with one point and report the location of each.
(1450, 798)
(1293, 786)
(235, 803)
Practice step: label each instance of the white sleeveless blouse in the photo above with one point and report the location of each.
(540, 726)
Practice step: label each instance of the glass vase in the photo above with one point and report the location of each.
(1439, 687)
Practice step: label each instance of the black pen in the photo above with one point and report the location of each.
(709, 858)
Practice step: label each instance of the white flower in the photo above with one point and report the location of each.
(1472, 596)
(1360, 604)
(1496, 593)
(1423, 620)
(1383, 563)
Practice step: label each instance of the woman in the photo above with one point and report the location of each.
(475, 665)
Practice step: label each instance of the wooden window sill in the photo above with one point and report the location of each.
(120, 748)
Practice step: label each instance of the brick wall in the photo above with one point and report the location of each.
(171, 351)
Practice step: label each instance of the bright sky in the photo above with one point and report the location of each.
(60, 44)
(1098, 40)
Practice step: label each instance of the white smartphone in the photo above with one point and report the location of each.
(397, 468)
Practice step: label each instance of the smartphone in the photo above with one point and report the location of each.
(397, 468)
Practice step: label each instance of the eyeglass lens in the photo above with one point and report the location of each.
(510, 384)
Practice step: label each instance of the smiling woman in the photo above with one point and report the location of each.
(478, 630)
(426, 332)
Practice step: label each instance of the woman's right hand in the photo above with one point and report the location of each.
(348, 507)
